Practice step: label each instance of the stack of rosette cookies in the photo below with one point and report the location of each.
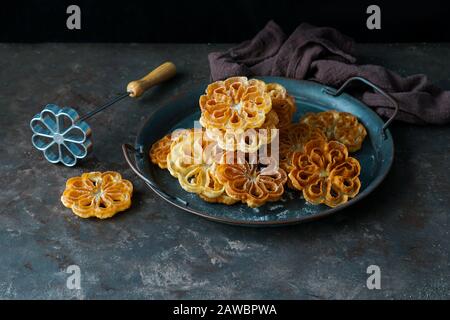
(247, 148)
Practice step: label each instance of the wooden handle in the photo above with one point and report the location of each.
(164, 72)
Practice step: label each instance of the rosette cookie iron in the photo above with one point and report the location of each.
(64, 136)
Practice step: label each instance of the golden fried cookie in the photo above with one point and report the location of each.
(237, 103)
(249, 140)
(282, 103)
(292, 140)
(192, 160)
(325, 173)
(250, 183)
(97, 194)
(161, 148)
(341, 126)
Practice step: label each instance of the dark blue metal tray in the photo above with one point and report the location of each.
(375, 156)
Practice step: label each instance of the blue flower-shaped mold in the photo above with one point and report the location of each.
(59, 135)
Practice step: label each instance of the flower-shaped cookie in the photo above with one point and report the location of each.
(293, 139)
(161, 148)
(192, 159)
(236, 103)
(282, 103)
(341, 126)
(250, 183)
(249, 140)
(97, 194)
(58, 134)
(325, 173)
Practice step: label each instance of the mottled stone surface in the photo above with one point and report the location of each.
(157, 251)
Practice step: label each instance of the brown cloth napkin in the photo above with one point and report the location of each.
(326, 56)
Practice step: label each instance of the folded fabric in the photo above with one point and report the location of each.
(326, 56)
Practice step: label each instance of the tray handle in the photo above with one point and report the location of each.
(126, 148)
(337, 92)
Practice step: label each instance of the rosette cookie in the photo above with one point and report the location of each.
(252, 184)
(340, 126)
(293, 139)
(161, 148)
(236, 103)
(192, 160)
(97, 194)
(282, 103)
(325, 173)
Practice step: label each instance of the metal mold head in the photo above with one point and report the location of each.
(60, 136)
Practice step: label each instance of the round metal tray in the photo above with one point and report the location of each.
(375, 156)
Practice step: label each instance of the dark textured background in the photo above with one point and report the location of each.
(155, 250)
(218, 21)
